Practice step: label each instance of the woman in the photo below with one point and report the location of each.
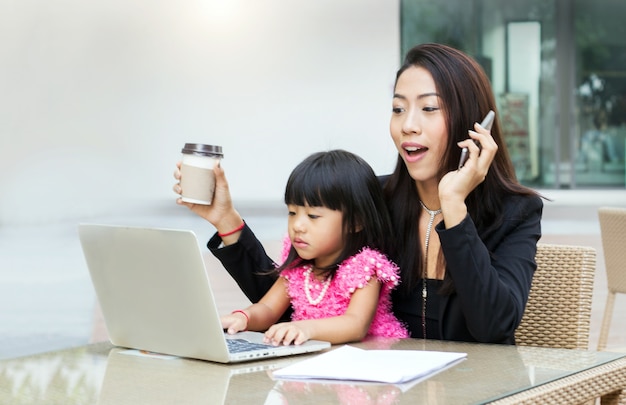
(465, 239)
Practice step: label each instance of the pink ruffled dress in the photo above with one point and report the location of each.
(353, 273)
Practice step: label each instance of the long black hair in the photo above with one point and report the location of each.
(466, 96)
(341, 181)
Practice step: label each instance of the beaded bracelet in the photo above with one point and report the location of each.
(239, 311)
(239, 228)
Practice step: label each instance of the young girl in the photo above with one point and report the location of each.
(334, 274)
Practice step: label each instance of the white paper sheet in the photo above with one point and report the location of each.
(387, 366)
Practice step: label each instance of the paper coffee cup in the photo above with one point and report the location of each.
(197, 179)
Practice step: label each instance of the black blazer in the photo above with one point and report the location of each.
(491, 272)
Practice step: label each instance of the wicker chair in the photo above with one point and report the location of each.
(613, 233)
(558, 311)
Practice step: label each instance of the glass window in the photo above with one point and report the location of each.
(554, 66)
(600, 35)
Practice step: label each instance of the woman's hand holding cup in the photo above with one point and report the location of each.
(221, 213)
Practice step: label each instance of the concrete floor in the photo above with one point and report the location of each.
(48, 302)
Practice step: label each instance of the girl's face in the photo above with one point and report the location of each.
(316, 233)
(418, 126)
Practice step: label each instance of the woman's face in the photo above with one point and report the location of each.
(418, 125)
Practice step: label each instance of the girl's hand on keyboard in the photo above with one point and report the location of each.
(235, 322)
(287, 333)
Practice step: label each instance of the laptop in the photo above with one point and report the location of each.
(155, 295)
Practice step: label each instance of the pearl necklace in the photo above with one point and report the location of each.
(307, 287)
(425, 269)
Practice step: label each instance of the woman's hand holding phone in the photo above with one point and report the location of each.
(486, 123)
(456, 185)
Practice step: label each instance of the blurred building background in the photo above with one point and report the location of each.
(558, 68)
(98, 98)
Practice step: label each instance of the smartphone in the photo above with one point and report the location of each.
(487, 123)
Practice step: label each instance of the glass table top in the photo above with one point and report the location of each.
(104, 374)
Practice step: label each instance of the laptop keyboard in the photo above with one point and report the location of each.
(242, 345)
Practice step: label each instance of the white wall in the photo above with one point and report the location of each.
(98, 97)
